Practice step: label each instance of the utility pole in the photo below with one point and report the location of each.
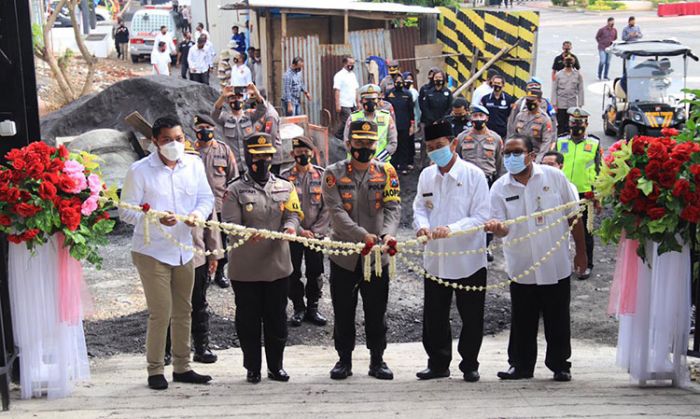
(19, 125)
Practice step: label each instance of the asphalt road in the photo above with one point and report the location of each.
(580, 28)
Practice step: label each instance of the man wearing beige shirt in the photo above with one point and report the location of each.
(567, 92)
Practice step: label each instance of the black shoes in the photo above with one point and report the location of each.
(341, 371)
(253, 377)
(471, 376)
(513, 374)
(157, 382)
(203, 355)
(429, 374)
(280, 375)
(562, 376)
(297, 318)
(489, 256)
(221, 280)
(380, 371)
(314, 317)
(191, 377)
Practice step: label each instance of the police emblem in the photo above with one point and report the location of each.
(261, 140)
(330, 181)
(588, 147)
(394, 183)
(249, 207)
(365, 127)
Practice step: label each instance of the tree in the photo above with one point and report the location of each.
(59, 68)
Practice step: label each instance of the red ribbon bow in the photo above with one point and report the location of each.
(368, 247)
(392, 247)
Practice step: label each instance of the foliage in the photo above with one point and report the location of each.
(46, 190)
(602, 5)
(652, 186)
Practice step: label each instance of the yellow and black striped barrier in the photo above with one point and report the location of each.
(464, 31)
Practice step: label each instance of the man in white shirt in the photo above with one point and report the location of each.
(199, 31)
(167, 180)
(345, 88)
(240, 73)
(484, 89)
(160, 59)
(167, 37)
(452, 196)
(528, 188)
(199, 61)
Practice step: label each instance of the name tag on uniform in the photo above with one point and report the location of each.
(512, 198)
(427, 194)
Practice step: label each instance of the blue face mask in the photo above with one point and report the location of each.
(515, 164)
(441, 156)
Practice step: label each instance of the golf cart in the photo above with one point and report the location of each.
(649, 95)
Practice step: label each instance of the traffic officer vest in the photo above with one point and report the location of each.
(579, 161)
(383, 119)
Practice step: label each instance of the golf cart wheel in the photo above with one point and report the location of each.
(135, 59)
(630, 131)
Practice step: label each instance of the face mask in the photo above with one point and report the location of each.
(349, 67)
(363, 155)
(568, 64)
(578, 131)
(259, 169)
(439, 83)
(173, 151)
(399, 85)
(205, 134)
(531, 105)
(497, 88)
(479, 124)
(302, 160)
(237, 105)
(442, 156)
(515, 164)
(369, 106)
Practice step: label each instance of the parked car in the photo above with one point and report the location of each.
(145, 25)
(63, 19)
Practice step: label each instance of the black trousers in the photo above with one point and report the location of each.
(200, 77)
(345, 286)
(562, 122)
(342, 119)
(200, 310)
(261, 302)
(222, 262)
(590, 242)
(405, 149)
(184, 67)
(437, 333)
(314, 278)
(527, 302)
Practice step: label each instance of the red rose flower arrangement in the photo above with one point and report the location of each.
(46, 190)
(652, 186)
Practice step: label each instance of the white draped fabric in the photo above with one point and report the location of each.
(653, 341)
(53, 355)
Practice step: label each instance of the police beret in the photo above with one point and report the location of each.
(302, 141)
(363, 130)
(437, 130)
(479, 109)
(203, 119)
(259, 143)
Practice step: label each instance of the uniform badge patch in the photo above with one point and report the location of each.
(588, 147)
(249, 207)
(330, 181)
(565, 147)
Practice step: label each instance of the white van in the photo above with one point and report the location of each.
(145, 25)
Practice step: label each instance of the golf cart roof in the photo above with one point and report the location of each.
(656, 48)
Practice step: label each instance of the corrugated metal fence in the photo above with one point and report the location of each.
(367, 43)
(403, 45)
(308, 48)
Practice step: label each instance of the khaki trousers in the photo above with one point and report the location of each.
(168, 291)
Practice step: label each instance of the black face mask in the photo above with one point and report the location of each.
(349, 67)
(296, 70)
(497, 88)
(479, 124)
(439, 83)
(531, 106)
(205, 134)
(237, 105)
(577, 131)
(302, 160)
(259, 170)
(399, 85)
(568, 64)
(363, 155)
(369, 106)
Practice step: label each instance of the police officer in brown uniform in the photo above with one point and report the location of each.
(238, 123)
(362, 196)
(260, 267)
(221, 167)
(536, 124)
(307, 179)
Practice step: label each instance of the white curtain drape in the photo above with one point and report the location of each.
(653, 341)
(53, 355)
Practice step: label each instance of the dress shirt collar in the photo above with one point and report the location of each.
(155, 161)
(456, 171)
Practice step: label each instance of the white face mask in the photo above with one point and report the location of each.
(173, 151)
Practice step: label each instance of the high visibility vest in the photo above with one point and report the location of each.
(382, 119)
(579, 161)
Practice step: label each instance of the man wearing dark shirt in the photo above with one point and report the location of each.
(559, 59)
(459, 117)
(605, 37)
(182, 51)
(499, 104)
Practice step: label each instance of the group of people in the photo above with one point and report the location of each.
(605, 38)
